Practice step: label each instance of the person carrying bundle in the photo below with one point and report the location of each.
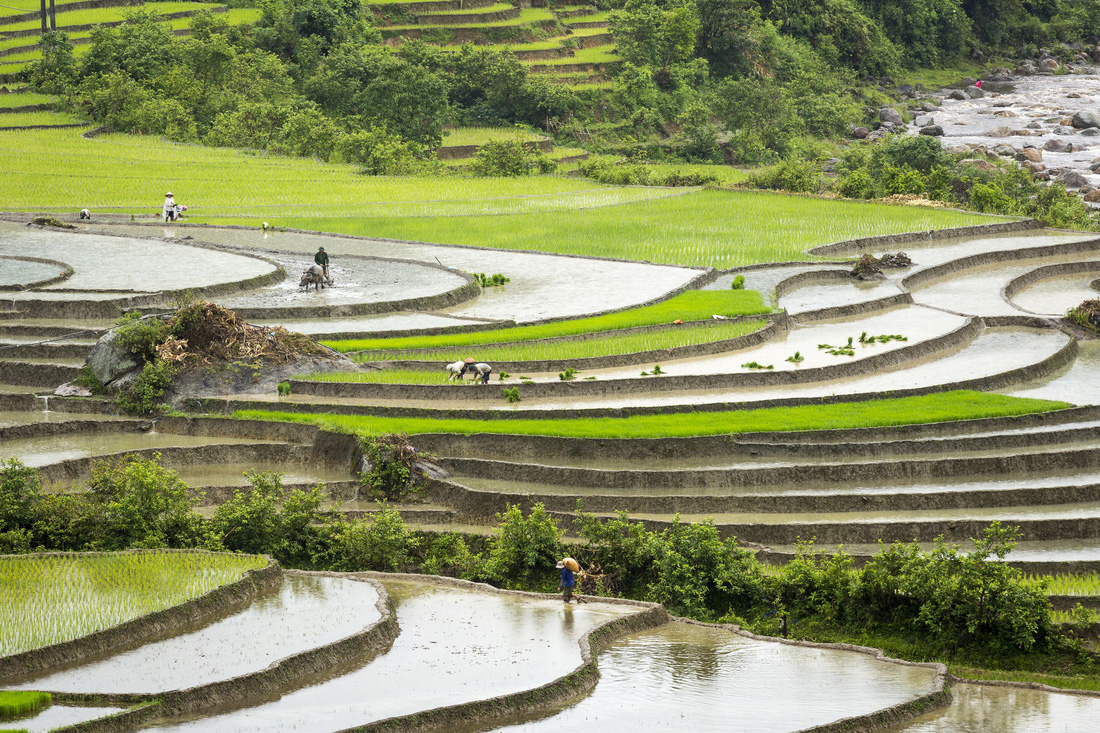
(568, 567)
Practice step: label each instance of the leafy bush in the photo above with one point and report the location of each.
(263, 518)
(390, 459)
(525, 549)
(145, 395)
(448, 554)
(137, 503)
(380, 543)
(508, 158)
(790, 175)
(20, 492)
(141, 335)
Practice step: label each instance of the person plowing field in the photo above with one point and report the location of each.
(321, 258)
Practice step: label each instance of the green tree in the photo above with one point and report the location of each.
(525, 549)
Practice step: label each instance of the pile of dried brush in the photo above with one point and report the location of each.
(870, 265)
(208, 333)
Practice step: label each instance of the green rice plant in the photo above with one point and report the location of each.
(693, 305)
(456, 136)
(796, 358)
(935, 408)
(610, 343)
(54, 598)
(108, 15)
(716, 228)
(23, 99)
(511, 394)
(568, 375)
(738, 283)
(1063, 682)
(756, 365)
(380, 376)
(1068, 584)
(15, 704)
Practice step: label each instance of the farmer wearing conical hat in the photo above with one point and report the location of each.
(169, 210)
(567, 566)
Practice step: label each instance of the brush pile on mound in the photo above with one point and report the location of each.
(203, 350)
(208, 333)
(869, 266)
(1086, 315)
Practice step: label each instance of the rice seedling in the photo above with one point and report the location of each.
(717, 228)
(511, 394)
(481, 135)
(796, 358)
(568, 375)
(694, 305)
(611, 343)
(15, 703)
(380, 376)
(757, 365)
(1069, 584)
(1064, 682)
(22, 99)
(55, 598)
(941, 407)
(108, 15)
(26, 119)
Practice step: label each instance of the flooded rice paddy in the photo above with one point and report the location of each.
(59, 716)
(304, 613)
(454, 646)
(45, 450)
(983, 708)
(684, 677)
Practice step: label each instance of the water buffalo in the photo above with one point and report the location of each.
(314, 276)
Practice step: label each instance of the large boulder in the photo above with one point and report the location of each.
(1090, 132)
(928, 107)
(1033, 154)
(1093, 196)
(1027, 68)
(932, 130)
(982, 165)
(860, 133)
(1049, 65)
(1035, 169)
(1056, 146)
(974, 92)
(958, 94)
(1083, 120)
(1064, 130)
(1001, 131)
(109, 359)
(890, 115)
(924, 120)
(1073, 179)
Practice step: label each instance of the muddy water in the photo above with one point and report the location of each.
(306, 612)
(915, 324)
(1056, 295)
(233, 474)
(149, 265)
(454, 646)
(982, 708)
(765, 279)
(977, 291)
(1078, 383)
(8, 419)
(20, 272)
(930, 253)
(51, 449)
(816, 297)
(994, 351)
(682, 677)
(543, 285)
(58, 716)
(357, 281)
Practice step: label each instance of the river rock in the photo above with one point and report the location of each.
(110, 360)
(860, 133)
(1035, 169)
(1027, 68)
(1005, 151)
(982, 165)
(1073, 95)
(1083, 120)
(1034, 126)
(1073, 179)
(924, 121)
(933, 130)
(906, 89)
(1056, 146)
(1090, 132)
(1033, 154)
(958, 94)
(1064, 130)
(72, 390)
(928, 107)
(957, 150)
(891, 115)
(974, 92)
(1093, 196)
(1001, 131)
(1049, 64)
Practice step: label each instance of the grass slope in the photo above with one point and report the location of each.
(705, 228)
(694, 305)
(941, 407)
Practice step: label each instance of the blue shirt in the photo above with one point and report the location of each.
(567, 578)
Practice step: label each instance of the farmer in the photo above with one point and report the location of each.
(568, 580)
(481, 371)
(85, 214)
(169, 210)
(321, 258)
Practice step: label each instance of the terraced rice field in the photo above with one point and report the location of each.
(55, 598)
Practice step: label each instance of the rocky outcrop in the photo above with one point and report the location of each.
(110, 361)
